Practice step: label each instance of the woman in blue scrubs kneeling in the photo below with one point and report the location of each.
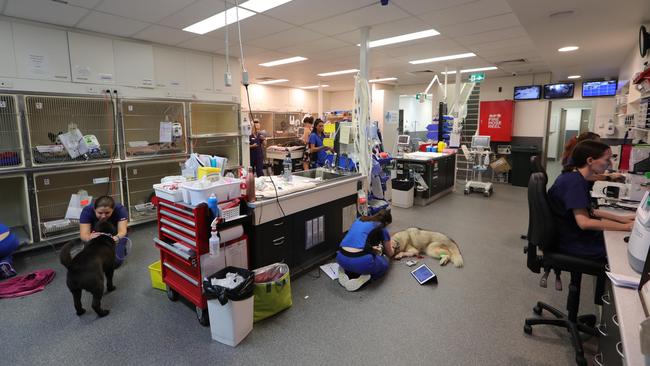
(360, 253)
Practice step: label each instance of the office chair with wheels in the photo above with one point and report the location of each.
(535, 167)
(543, 236)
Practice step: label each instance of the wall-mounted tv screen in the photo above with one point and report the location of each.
(599, 88)
(558, 91)
(528, 92)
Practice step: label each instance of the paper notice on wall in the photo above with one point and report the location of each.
(37, 63)
(344, 135)
(391, 117)
(165, 132)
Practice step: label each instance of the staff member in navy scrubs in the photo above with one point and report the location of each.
(316, 147)
(257, 149)
(105, 209)
(360, 252)
(580, 228)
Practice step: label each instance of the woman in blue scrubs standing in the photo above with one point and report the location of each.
(361, 251)
(316, 148)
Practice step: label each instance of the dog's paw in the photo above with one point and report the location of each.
(81, 312)
(444, 260)
(103, 312)
(109, 289)
(399, 255)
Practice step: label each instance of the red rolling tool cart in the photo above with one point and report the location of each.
(183, 233)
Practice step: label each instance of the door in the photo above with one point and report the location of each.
(585, 115)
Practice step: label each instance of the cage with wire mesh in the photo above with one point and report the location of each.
(11, 148)
(210, 119)
(15, 211)
(140, 178)
(153, 128)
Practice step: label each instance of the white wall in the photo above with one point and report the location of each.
(282, 99)
(339, 101)
(416, 115)
(632, 64)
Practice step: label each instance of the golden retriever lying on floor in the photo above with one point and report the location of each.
(413, 241)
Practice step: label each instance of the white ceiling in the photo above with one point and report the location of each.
(327, 31)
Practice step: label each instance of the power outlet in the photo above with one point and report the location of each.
(92, 89)
(6, 84)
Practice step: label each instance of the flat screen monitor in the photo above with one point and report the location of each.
(528, 92)
(481, 142)
(558, 91)
(599, 88)
(403, 139)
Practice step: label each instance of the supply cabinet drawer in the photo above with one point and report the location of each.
(273, 243)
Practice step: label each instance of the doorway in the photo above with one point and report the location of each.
(568, 119)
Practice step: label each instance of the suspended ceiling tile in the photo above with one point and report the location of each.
(315, 48)
(144, 10)
(111, 24)
(465, 13)
(164, 35)
(301, 12)
(480, 26)
(203, 43)
(491, 36)
(88, 4)
(256, 27)
(45, 11)
(508, 45)
(368, 16)
(249, 51)
(286, 38)
(339, 53)
(419, 6)
(425, 49)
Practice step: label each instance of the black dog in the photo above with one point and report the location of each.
(87, 269)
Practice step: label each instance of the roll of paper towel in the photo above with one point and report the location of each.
(231, 233)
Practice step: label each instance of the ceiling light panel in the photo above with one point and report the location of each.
(314, 86)
(403, 38)
(380, 80)
(219, 20)
(568, 48)
(283, 61)
(443, 58)
(574, 77)
(471, 70)
(341, 72)
(273, 81)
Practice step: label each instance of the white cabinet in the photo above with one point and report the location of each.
(91, 59)
(219, 67)
(134, 65)
(169, 68)
(7, 57)
(199, 72)
(41, 53)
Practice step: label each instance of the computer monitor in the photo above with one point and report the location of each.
(480, 142)
(403, 139)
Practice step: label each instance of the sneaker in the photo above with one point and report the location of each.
(6, 270)
(343, 277)
(355, 284)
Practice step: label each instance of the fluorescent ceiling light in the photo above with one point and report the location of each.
(273, 81)
(442, 58)
(574, 77)
(350, 71)
(380, 80)
(283, 61)
(403, 38)
(568, 48)
(314, 86)
(218, 21)
(471, 70)
(260, 6)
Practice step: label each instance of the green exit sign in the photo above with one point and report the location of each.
(477, 77)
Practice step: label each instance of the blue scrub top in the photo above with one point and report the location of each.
(571, 191)
(120, 213)
(358, 234)
(317, 140)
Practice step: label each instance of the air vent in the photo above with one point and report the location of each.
(512, 62)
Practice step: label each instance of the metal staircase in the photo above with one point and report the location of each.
(470, 125)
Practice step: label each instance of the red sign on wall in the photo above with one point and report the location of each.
(496, 120)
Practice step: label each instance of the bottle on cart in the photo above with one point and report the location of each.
(250, 185)
(214, 243)
(362, 203)
(286, 165)
(213, 205)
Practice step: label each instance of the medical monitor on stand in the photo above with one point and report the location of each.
(480, 143)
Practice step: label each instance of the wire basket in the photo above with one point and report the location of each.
(230, 213)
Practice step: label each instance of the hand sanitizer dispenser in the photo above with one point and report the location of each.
(637, 249)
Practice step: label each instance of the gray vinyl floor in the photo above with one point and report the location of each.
(473, 316)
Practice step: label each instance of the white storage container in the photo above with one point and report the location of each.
(224, 189)
(231, 323)
(163, 191)
(403, 199)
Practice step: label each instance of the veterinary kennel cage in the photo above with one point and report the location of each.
(48, 117)
(153, 128)
(210, 119)
(11, 147)
(227, 147)
(54, 191)
(286, 124)
(266, 122)
(140, 177)
(15, 211)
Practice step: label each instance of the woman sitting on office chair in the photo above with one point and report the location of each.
(580, 228)
(360, 255)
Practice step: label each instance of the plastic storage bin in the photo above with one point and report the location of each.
(225, 189)
(231, 323)
(402, 194)
(155, 273)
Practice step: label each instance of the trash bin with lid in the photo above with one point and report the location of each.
(402, 194)
(521, 166)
